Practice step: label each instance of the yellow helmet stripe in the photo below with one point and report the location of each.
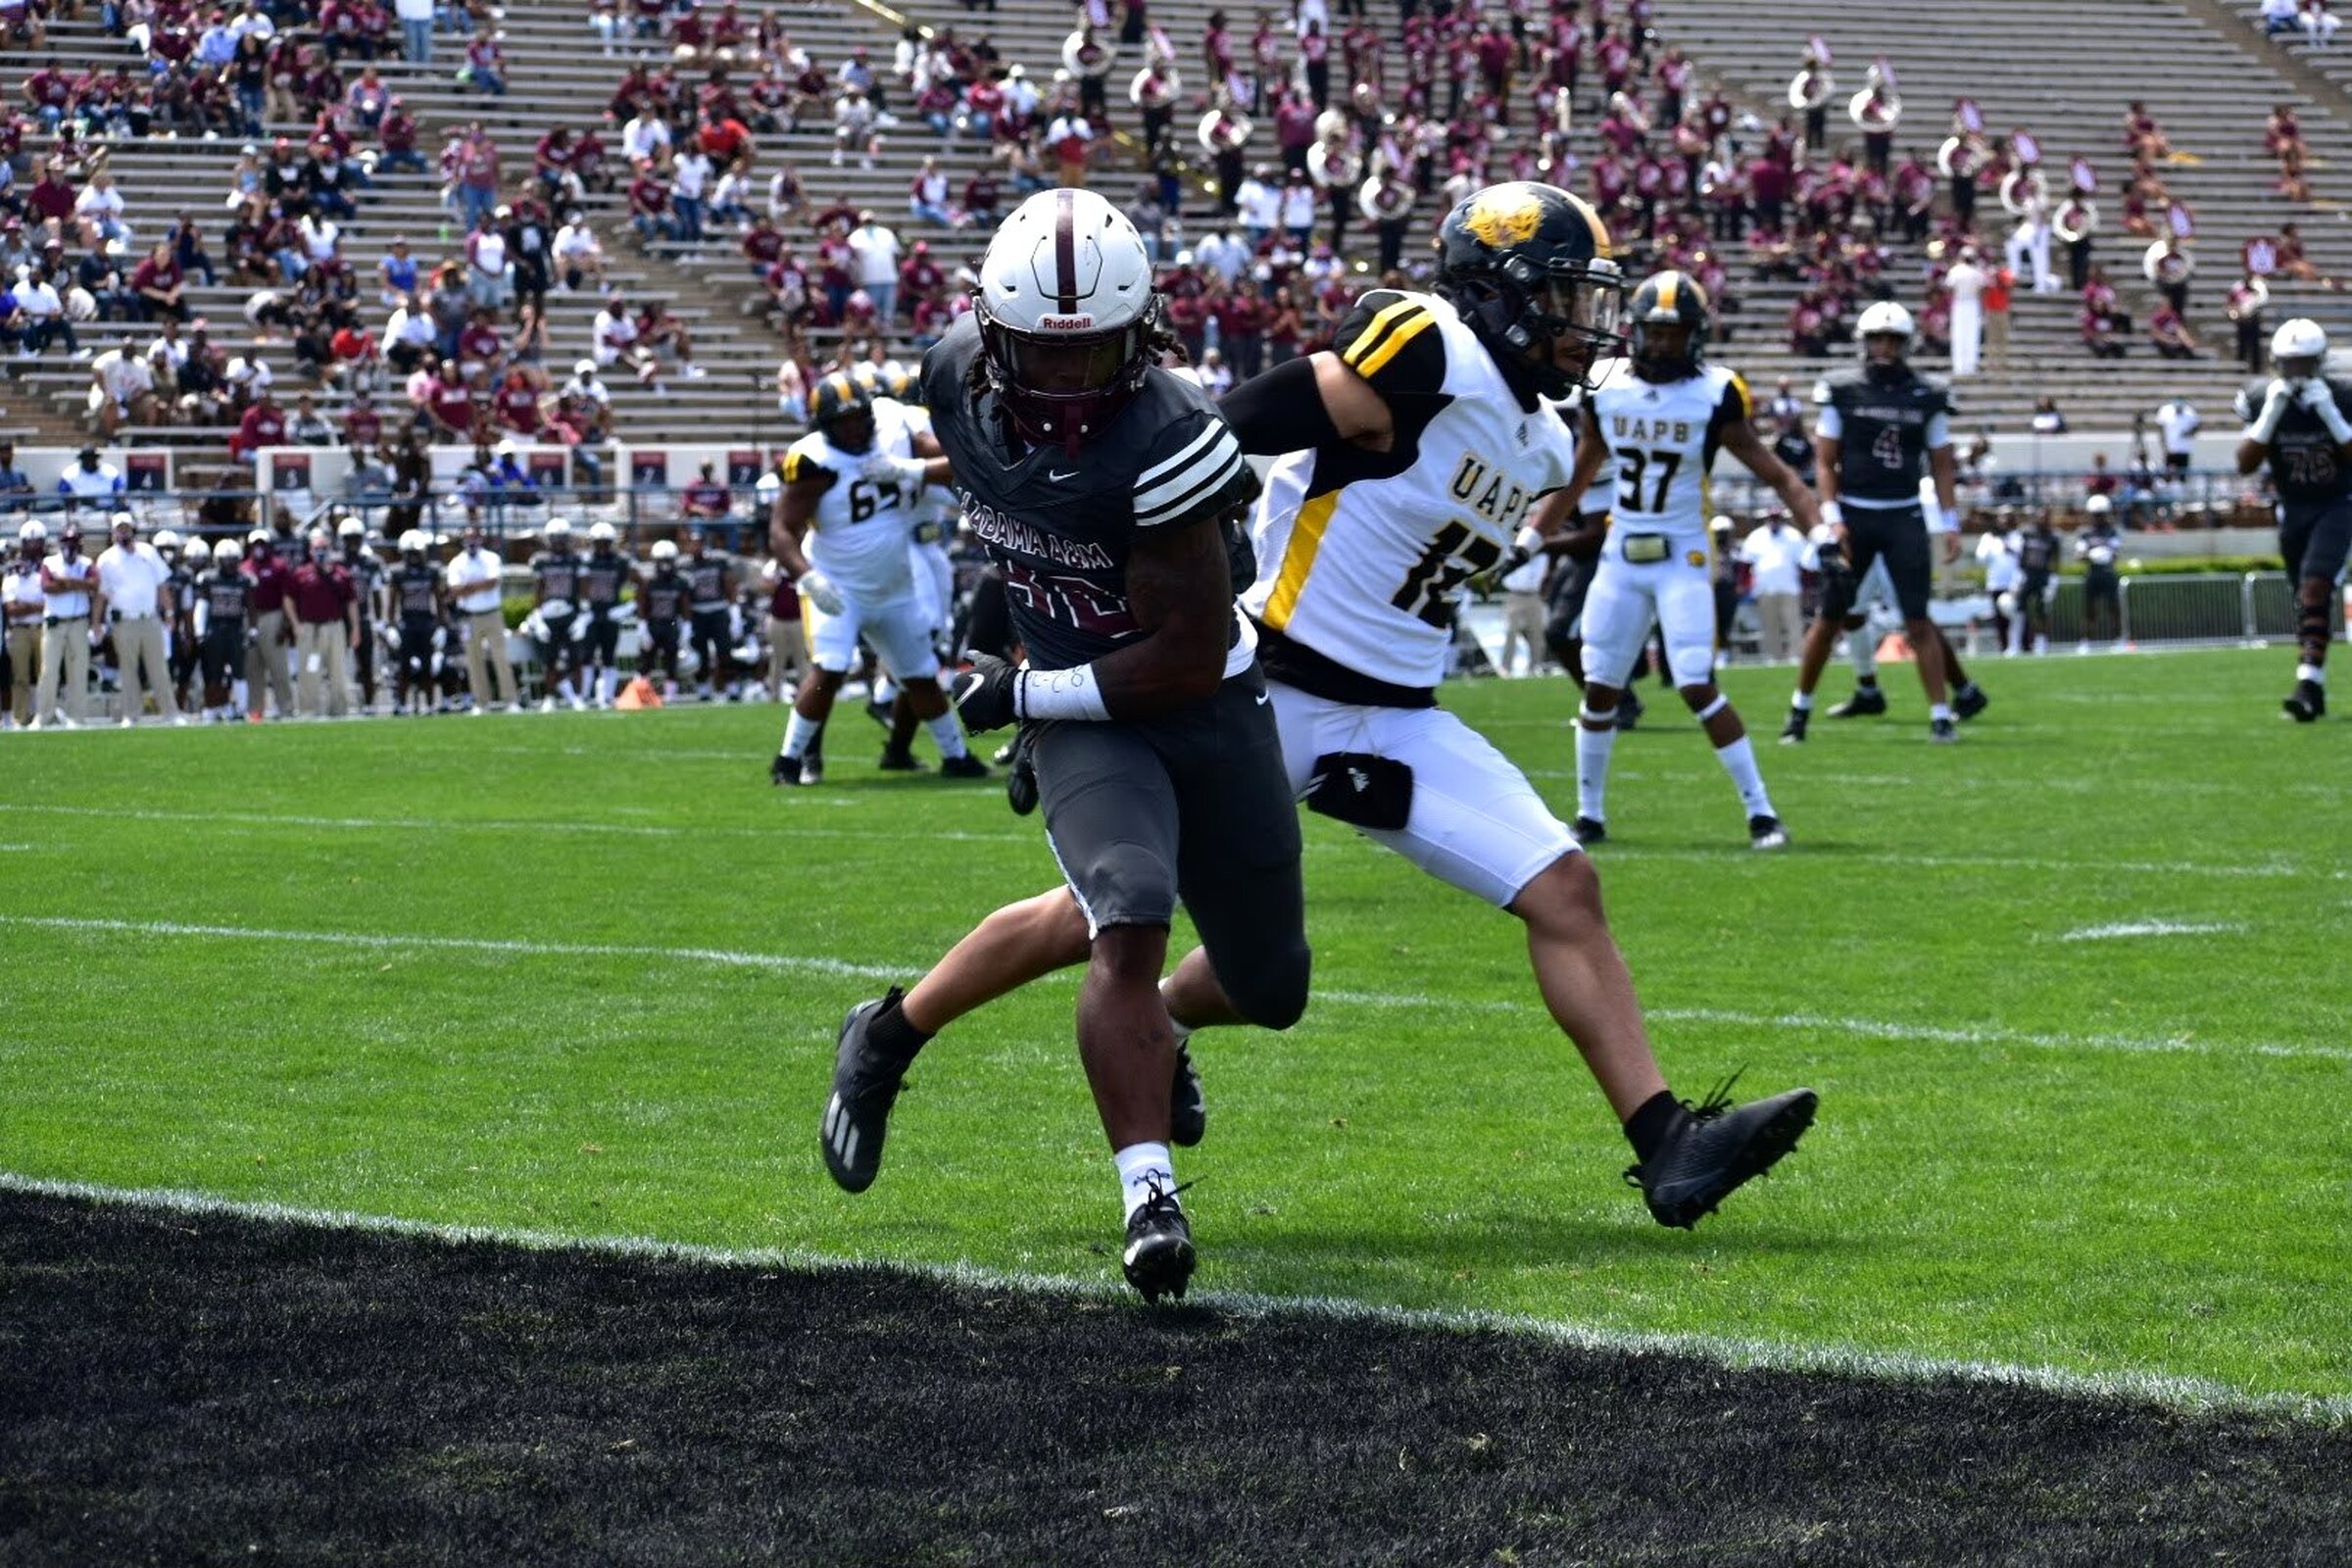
(1670, 285)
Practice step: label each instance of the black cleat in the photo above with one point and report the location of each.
(965, 766)
(784, 769)
(857, 1115)
(1766, 833)
(1718, 1150)
(2306, 703)
(1970, 701)
(1793, 733)
(1867, 702)
(1188, 1105)
(898, 761)
(812, 768)
(1942, 731)
(1158, 1258)
(1020, 782)
(1629, 710)
(1589, 832)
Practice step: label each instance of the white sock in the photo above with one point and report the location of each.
(2316, 673)
(797, 733)
(606, 683)
(1863, 649)
(236, 694)
(1142, 1166)
(569, 693)
(944, 731)
(1593, 748)
(1802, 702)
(1739, 761)
(1184, 1031)
(1939, 711)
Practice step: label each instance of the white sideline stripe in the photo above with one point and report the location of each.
(2151, 929)
(363, 939)
(444, 824)
(2179, 1392)
(1855, 1028)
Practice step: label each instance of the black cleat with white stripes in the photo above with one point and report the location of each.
(856, 1117)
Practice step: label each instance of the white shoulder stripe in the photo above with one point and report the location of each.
(1153, 475)
(1215, 450)
(1183, 505)
(1199, 479)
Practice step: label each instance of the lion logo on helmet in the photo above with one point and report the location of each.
(1504, 215)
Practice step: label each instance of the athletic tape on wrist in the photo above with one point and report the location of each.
(1720, 703)
(1059, 693)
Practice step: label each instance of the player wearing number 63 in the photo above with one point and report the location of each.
(1659, 415)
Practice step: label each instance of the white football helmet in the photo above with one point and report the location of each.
(196, 551)
(2301, 340)
(415, 542)
(164, 541)
(557, 532)
(663, 550)
(1885, 318)
(34, 532)
(226, 554)
(602, 533)
(1067, 314)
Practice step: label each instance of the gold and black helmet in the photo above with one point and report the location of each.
(1528, 265)
(1668, 299)
(840, 395)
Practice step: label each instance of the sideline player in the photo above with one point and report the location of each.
(1411, 455)
(420, 591)
(840, 528)
(1659, 413)
(603, 577)
(1100, 485)
(556, 592)
(2297, 422)
(1881, 425)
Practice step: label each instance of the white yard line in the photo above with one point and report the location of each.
(2179, 1392)
(1792, 1022)
(446, 824)
(2151, 929)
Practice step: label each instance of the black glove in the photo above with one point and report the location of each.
(984, 693)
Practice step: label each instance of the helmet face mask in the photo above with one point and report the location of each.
(1882, 336)
(843, 412)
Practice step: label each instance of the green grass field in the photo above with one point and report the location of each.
(581, 975)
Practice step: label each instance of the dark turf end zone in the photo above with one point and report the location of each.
(191, 1390)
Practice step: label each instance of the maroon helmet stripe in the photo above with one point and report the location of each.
(1065, 249)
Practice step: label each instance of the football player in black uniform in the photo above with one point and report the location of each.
(660, 609)
(2036, 565)
(1101, 486)
(420, 613)
(367, 577)
(1881, 425)
(603, 576)
(185, 561)
(2100, 548)
(2300, 422)
(710, 590)
(224, 609)
(556, 581)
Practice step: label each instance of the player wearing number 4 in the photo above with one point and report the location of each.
(1660, 414)
(2297, 422)
(849, 487)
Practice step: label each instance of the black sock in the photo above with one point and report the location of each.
(1653, 1122)
(889, 1032)
(1868, 683)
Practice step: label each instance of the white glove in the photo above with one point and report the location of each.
(2312, 393)
(1832, 514)
(819, 591)
(904, 475)
(2275, 404)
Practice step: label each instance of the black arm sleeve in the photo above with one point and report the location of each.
(1280, 411)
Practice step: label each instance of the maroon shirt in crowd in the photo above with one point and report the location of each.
(320, 592)
(270, 579)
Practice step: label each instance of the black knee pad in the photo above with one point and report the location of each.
(1272, 987)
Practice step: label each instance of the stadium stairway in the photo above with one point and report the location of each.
(2064, 71)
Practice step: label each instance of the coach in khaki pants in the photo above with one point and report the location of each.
(475, 578)
(327, 628)
(134, 595)
(24, 602)
(68, 577)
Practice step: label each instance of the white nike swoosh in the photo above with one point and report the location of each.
(1262, 699)
(1057, 475)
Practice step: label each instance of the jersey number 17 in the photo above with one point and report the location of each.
(1453, 556)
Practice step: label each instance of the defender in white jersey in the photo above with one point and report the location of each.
(930, 525)
(840, 529)
(1412, 454)
(1658, 415)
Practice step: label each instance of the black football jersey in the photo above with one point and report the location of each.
(662, 596)
(2305, 465)
(558, 575)
(2037, 551)
(706, 580)
(414, 591)
(1883, 430)
(1059, 527)
(603, 579)
(2101, 546)
(227, 595)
